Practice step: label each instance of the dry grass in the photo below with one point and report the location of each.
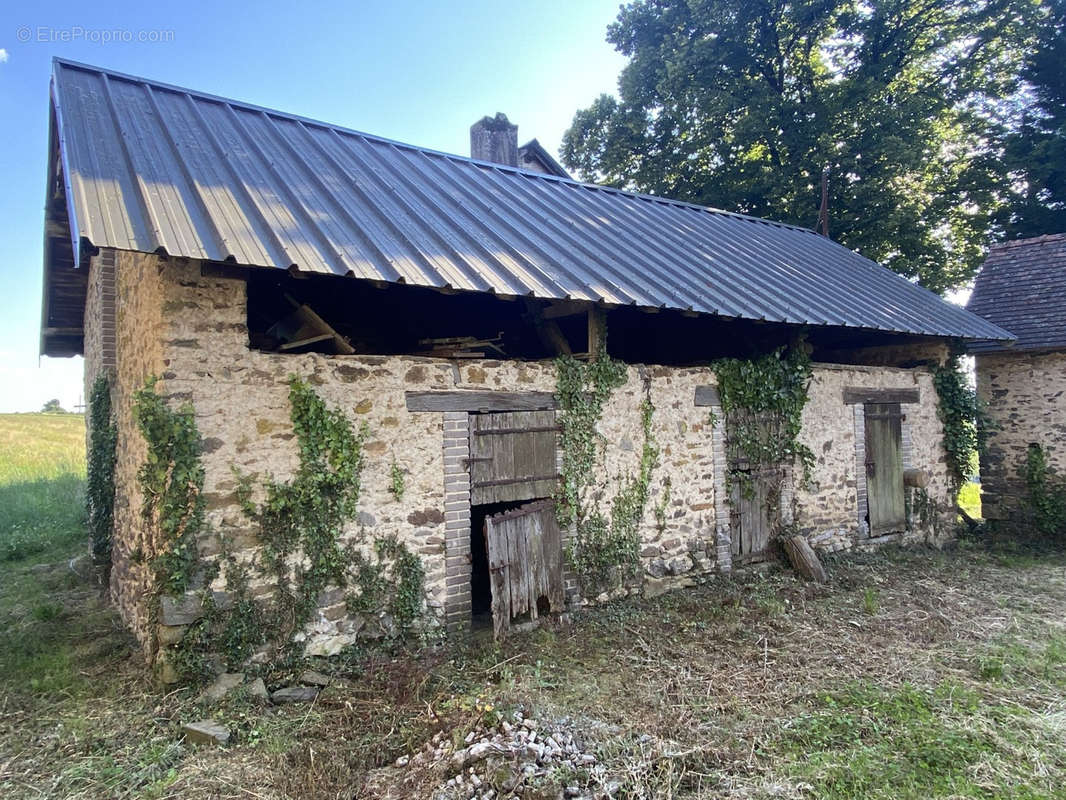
(915, 674)
(950, 685)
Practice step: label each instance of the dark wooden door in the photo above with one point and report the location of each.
(512, 456)
(884, 467)
(755, 512)
(525, 553)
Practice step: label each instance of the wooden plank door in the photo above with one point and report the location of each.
(755, 514)
(512, 456)
(525, 555)
(884, 467)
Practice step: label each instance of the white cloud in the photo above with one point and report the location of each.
(3, 55)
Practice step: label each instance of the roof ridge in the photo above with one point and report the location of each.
(1045, 237)
(80, 65)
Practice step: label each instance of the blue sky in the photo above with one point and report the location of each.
(416, 72)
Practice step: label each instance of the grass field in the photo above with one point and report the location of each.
(914, 674)
(42, 483)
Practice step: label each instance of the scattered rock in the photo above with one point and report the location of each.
(313, 678)
(295, 694)
(258, 689)
(205, 732)
(222, 685)
(657, 568)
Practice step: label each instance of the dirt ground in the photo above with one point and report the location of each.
(915, 673)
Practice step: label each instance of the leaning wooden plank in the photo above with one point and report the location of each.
(804, 559)
(480, 401)
(304, 342)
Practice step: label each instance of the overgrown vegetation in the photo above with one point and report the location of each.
(963, 418)
(762, 401)
(606, 545)
(1046, 509)
(300, 523)
(172, 483)
(100, 468)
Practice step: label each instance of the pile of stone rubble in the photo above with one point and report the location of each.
(516, 758)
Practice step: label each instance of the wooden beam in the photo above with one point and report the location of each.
(854, 394)
(480, 401)
(548, 330)
(564, 308)
(597, 330)
(707, 396)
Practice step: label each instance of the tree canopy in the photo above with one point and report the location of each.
(1035, 153)
(741, 104)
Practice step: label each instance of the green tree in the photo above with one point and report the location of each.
(740, 104)
(53, 407)
(1035, 153)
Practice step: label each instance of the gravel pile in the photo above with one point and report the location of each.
(517, 758)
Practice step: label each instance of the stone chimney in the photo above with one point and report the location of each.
(494, 139)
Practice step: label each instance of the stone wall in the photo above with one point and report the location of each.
(1023, 393)
(190, 330)
(831, 511)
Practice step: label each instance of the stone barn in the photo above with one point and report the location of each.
(1021, 287)
(360, 388)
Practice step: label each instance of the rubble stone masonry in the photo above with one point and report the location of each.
(190, 330)
(1023, 394)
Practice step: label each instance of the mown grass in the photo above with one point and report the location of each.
(42, 484)
(969, 499)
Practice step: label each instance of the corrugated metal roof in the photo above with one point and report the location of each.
(152, 167)
(1023, 285)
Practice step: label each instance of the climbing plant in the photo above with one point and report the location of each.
(172, 482)
(100, 471)
(964, 420)
(763, 400)
(603, 542)
(305, 516)
(396, 482)
(299, 523)
(1047, 496)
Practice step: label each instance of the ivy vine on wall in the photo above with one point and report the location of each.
(300, 524)
(964, 420)
(172, 483)
(604, 545)
(100, 471)
(763, 401)
(1047, 496)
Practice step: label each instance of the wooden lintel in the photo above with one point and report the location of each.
(855, 394)
(480, 401)
(707, 396)
(564, 308)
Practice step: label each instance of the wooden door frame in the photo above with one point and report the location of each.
(455, 408)
(883, 529)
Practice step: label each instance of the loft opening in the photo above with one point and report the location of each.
(297, 313)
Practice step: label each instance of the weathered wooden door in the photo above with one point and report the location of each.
(755, 512)
(512, 456)
(884, 467)
(525, 553)
(755, 500)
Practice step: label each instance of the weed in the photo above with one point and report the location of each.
(871, 601)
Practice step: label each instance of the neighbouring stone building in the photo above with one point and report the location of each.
(428, 298)
(1021, 287)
